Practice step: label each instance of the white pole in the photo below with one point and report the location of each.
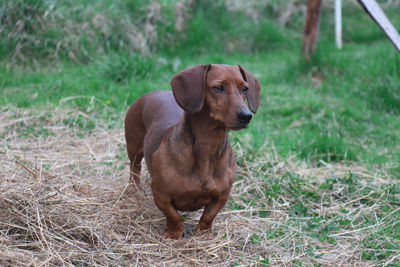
(338, 23)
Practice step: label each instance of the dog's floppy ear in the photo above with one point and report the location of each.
(253, 95)
(188, 87)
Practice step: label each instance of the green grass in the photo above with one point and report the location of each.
(342, 106)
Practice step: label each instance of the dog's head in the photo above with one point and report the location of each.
(222, 88)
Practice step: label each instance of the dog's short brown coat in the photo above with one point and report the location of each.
(183, 136)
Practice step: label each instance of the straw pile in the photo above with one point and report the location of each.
(62, 202)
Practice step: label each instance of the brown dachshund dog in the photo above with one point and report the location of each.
(183, 136)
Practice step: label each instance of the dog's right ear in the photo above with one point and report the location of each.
(189, 87)
(253, 96)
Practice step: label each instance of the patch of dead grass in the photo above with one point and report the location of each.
(62, 203)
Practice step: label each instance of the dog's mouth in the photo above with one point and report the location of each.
(240, 127)
(220, 123)
(234, 127)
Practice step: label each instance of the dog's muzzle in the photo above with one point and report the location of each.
(244, 117)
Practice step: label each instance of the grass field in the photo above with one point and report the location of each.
(318, 180)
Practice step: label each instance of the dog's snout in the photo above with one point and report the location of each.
(244, 116)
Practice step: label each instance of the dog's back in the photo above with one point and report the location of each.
(146, 122)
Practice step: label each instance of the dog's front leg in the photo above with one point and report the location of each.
(174, 228)
(210, 211)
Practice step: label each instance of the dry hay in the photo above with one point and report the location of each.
(62, 203)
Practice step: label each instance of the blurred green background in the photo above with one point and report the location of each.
(101, 55)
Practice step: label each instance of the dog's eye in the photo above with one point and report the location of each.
(245, 90)
(219, 89)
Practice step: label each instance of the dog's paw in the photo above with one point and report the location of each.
(130, 190)
(203, 233)
(177, 235)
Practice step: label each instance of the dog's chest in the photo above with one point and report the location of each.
(193, 196)
(191, 192)
(192, 179)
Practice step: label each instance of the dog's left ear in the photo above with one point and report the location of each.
(189, 87)
(253, 95)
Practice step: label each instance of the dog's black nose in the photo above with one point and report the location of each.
(244, 117)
